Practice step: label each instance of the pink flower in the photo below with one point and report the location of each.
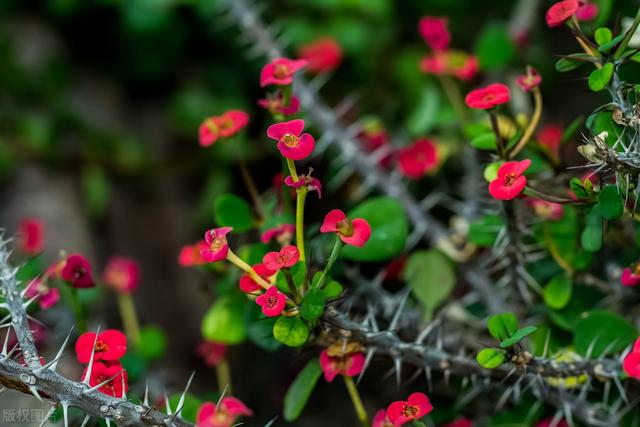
(322, 55)
(48, 296)
(510, 181)
(281, 233)
(354, 232)
(110, 345)
(450, 62)
(631, 363)
(280, 71)
(418, 159)
(560, 12)
(287, 257)
(434, 32)
(381, 419)
(224, 415)
(530, 80)
(550, 137)
(31, 236)
(631, 276)
(190, 254)
(350, 364)
(224, 126)
(488, 97)
(77, 271)
(292, 143)
(248, 285)
(467, 70)
(460, 422)
(414, 408)
(122, 274)
(548, 422)
(217, 246)
(212, 352)
(587, 11)
(546, 210)
(275, 104)
(272, 302)
(313, 184)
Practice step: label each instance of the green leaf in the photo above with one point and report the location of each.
(502, 326)
(224, 321)
(573, 61)
(557, 293)
(494, 47)
(298, 393)
(298, 272)
(332, 289)
(582, 190)
(483, 231)
(491, 171)
(603, 35)
(485, 141)
(431, 278)
(591, 238)
(291, 331)
(518, 336)
(490, 358)
(606, 47)
(600, 77)
(610, 204)
(153, 343)
(603, 329)
(190, 405)
(389, 230)
(232, 211)
(312, 304)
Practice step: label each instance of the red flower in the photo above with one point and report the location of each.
(275, 104)
(415, 407)
(217, 246)
(488, 97)
(510, 181)
(631, 276)
(223, 415)
(248, 285)
(350, 364)
(631, 363)
(460, 422)
(560, 12)
(280, 71)
(190, 254)
(281, 233)
(354, 232)
(48, 296)
(77, 271)
(121, 274)
(287, 257)
(453, 63)
(31, 236)
(322, 55)
(381, 419)
(418, 159)
(222, 126)
(272, 302)
(434, 32)
(100, 373)
(530, 80)
(546, 210)
(212, 352)
(313, 184)
(292, 143)
(587, 11)
(550, 137)
(110, 345)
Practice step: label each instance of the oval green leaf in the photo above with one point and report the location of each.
(224, 321)
(291, 331)
(502, 326)
(558, 291)
(600, 77)
(298, 393)
(490, 358)
(232, 211)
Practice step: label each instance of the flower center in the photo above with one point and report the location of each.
(218, 243)
(636, 269)
(509, 179)
(345, 227)
(79, 272)
(290, 140)
(213, 127)
(226, 123)
(281, 71)
(409, 411)
(489, 97)
(272, 302)
(101, 347)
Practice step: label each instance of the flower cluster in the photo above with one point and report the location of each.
(402, 412)
(106, 348)
(564, 10)
(224, 126)
(223, 414)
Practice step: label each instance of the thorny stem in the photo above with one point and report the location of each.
(251, 186)
(292, 285)
(337, 247)
(223, 376)
(129, 317)
(496, 130)
(533, 124)
(301, 196)
(233, 258)
(356, 400)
